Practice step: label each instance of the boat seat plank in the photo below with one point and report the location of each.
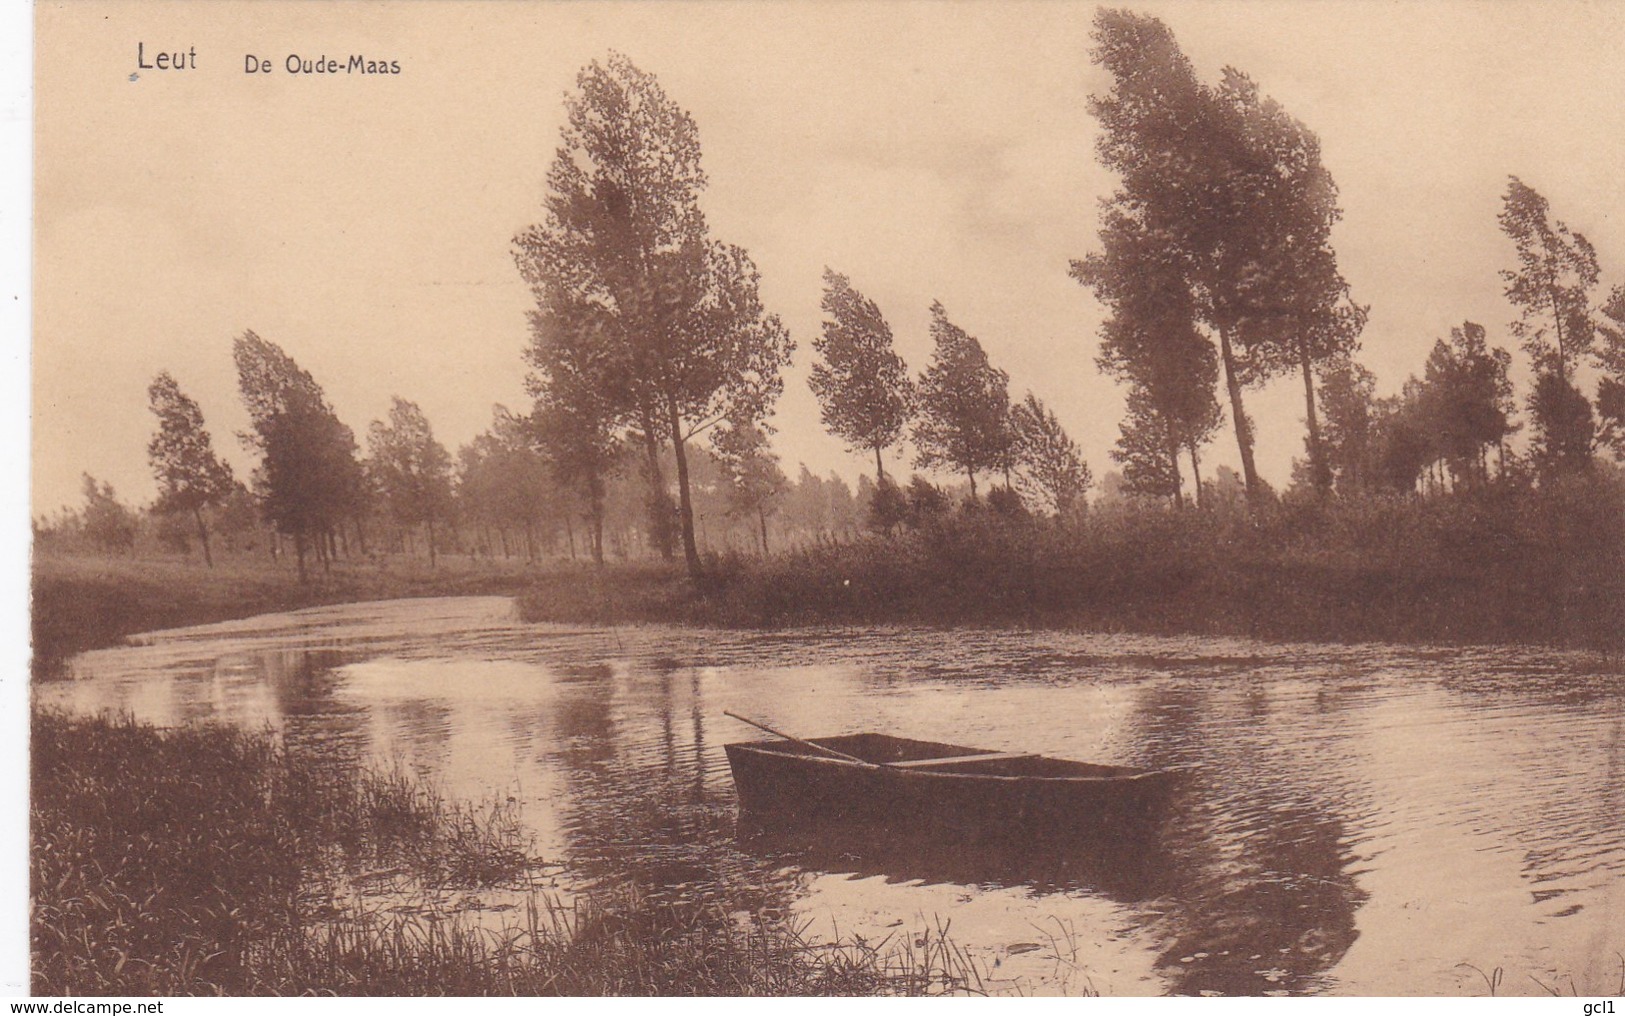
(991, 756)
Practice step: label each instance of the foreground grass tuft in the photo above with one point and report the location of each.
(206, 860)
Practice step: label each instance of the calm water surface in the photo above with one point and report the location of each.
(1359, 819)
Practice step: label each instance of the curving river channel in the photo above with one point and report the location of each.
(1365, 819)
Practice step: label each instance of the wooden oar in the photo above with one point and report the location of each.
(808, 744)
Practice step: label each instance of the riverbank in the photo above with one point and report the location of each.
(206, 860)
(82, 603)
(1516, 567)
(1531, 569)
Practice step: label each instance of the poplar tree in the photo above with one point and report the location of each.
(309, 477)
(1551, 287)
(1467, 399)
(681, 340)
(1231, 190)
(502, 480)
(1147, 449)
(964, 404)
(1049, 464)
(411, 470)
(863, 388)
(1151, 341)
(190, 476)
(751, 469)
(107, 521)
(1348, 406)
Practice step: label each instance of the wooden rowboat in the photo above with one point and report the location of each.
(897, 783)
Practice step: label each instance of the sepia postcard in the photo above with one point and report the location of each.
(861, 498)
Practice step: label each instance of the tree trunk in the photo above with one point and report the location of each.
(203, 535)
(299, 550)
(570, 535)
(880, 470)
(595, 504)
(1196, 473)
(761, 517)
(659, 507)
(1319, 472)
(685, 506)
(530, 544)
(1562, 351)
(1179, 481)
(598, 531)
(1244, 430)
(972, 474)
(430, 523)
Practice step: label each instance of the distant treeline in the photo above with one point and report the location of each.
(654, 368)
(487, 517)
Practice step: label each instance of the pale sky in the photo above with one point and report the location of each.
(930, 151)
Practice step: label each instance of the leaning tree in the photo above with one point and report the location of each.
(964, 405)
(863, 388)
(190, 476)
(671, 319)
(1233, 189)
(309, 478)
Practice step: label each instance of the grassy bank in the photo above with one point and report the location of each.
(1544, 568)
(206, 860)
(1521, 567)
(84, 603)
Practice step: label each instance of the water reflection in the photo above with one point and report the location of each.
(1125, 871)
(1358, 819)
(1267, 899)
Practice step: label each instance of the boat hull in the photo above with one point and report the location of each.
(980, 800)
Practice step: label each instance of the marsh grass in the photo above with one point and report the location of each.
(614, 943)
(1614, 985)
(1524, 567)
(207, 860)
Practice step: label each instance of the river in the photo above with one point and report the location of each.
(1360, 819)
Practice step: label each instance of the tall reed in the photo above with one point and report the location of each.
(207, 860)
